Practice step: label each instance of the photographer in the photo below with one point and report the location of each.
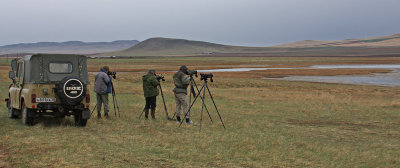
(181, 81)
(102, 87)
(150, 83)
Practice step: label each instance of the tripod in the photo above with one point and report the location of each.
(203, 88)
(165, 106)
(193, 93)
(115, 102)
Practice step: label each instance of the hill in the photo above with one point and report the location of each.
(69, 47)
(177, 47)
(384, 41)
(386, 45)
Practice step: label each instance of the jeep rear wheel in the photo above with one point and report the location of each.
(11, 111)
(27, 118)
(79, 121)
(71, 90)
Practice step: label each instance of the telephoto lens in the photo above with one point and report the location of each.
(192, 72)
(206, 76)
(160, 77)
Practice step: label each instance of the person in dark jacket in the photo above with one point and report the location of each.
(181, 81)
(150, 90)
(102, 87)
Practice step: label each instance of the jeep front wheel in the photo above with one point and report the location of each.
(27, 118)
(79, 121)
(11, 111)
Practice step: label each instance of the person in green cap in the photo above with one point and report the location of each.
(150, 90)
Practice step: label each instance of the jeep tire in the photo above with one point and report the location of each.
(11, 111)
(79, 121)
(71, 90)
(26, 117)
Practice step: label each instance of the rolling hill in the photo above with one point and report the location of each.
(181, 47)
(69, 47)
(384, 41)
(379, 46)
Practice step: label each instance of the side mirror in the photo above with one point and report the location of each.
(14, 65)
(11, 74)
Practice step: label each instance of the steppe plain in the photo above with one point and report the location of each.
(269, 123)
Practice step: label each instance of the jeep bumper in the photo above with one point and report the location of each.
(41, 106)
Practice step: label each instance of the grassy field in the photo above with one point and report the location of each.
(269, 123)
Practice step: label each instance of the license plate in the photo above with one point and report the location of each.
(43, 100)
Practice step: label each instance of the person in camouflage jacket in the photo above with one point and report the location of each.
(151, 92)
(181, 81)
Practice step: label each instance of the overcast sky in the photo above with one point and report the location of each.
(234, 22)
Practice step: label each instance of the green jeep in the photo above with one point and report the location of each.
(49, 84)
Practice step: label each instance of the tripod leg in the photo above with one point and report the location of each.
(173, 116)
(202, 107)
(191, 90)
(209, 92)
(141, 114)
(115, 112)
(190, 107)
(203, 103)
(93, 109)
(116, 102)
(165, 106)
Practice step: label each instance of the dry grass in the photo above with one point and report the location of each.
(269, 124)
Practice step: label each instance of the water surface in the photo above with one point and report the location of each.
(380, 79)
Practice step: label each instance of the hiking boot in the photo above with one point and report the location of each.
(146, 113)
(178, 120)
(98, 116)
(106, 116)
(153, 113)
(189, 122)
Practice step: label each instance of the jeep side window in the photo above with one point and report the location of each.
(17, 74)
(20, 72)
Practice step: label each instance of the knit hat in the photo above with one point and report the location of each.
(106, 68)
(152, 71)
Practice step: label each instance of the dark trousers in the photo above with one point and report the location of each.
(151, 103)
(102, 99)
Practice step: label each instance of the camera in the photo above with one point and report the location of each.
(160, 77)
(113, 74)
(206, 76)
(191, 73)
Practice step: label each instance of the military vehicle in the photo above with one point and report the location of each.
(49, 84)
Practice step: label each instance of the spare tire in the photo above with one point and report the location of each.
(71, 90)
